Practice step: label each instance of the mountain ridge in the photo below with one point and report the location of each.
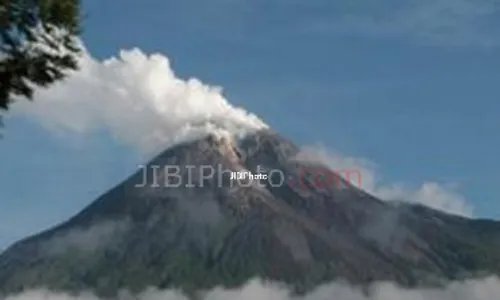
(217, 234)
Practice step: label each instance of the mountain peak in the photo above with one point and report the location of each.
(208, 230)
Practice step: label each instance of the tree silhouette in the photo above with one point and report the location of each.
(38, 45)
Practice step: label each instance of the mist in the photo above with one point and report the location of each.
(87, 239)
(479, 289)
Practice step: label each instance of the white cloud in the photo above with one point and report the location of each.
(433, 194)
(139, 99)
(343, 165)
(480, 289)
(438, 22)
(429, 22)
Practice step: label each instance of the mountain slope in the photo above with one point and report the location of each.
(223, 233)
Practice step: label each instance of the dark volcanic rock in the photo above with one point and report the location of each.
(217, 234)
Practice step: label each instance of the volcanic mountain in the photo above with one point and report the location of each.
(219, 233)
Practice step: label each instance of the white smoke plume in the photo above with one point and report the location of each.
(480, 289)
(140, 100)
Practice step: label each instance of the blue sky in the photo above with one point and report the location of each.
(410, 85)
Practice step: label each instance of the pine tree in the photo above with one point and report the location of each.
(38, 45)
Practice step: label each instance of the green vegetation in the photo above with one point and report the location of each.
(38, 45)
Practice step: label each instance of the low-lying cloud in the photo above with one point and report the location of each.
(433, 194)
(480, 289)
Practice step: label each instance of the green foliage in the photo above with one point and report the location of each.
(37, 45)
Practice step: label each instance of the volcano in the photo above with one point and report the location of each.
(215, 233)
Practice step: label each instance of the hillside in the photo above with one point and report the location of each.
(217, 234)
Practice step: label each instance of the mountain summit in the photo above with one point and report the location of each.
(217, 232)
